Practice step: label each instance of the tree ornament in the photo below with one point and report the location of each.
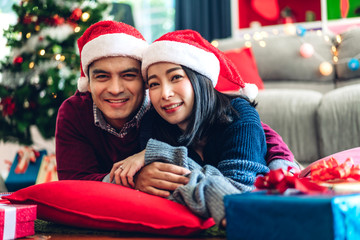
(18, 60)
(57, 20)
(76, 14)
(306, 50)
(8, 106)
(27, 19)
(353, 64)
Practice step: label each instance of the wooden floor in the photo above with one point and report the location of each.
(84, 237)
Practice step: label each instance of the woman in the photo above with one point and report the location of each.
(223, 133)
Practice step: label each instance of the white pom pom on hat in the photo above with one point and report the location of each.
(188, 48)
(108, 39)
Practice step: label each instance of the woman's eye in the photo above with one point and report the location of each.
(176, 77)
(151, 85)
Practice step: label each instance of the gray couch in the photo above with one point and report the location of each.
(313, 124)
(316, 115)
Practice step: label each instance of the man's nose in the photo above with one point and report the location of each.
(116, 85)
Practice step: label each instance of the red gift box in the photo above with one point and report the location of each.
(17, 220)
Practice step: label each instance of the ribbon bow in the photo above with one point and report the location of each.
(281, 181)
(330, 169)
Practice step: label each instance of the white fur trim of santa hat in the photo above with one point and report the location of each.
(250, 90)
(199, 60)
(108, 45)
(82, 84)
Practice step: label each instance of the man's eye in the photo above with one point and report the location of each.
(101, 76)
(130, 76)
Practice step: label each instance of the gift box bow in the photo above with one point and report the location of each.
(280, 181)
(331, 170)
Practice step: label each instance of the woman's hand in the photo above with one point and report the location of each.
(123, 171)
(160, 178)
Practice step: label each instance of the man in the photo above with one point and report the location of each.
(100, 124)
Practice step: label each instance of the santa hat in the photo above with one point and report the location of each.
(108, 39)
(188, 48)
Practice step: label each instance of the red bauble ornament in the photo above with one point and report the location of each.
(18, 60)
(76, 14)
(27, 19)
(8, 106)
(57, 20)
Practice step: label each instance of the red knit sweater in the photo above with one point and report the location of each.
(83, 150)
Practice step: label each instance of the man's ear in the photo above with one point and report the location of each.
(88, 86)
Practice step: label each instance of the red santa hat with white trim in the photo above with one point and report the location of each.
(188, 48)
(108, 39)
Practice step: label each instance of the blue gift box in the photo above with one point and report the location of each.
(16, 181)
(264, 216)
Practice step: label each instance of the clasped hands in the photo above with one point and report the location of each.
(157, 178)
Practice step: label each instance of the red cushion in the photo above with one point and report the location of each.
(98, 205)
(245, 63)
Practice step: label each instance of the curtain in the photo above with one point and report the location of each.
(211, 18)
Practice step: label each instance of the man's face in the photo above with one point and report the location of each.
(117, 88)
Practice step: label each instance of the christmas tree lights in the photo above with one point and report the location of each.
(43, 67)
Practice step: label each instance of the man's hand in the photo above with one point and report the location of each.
(160, 178)
(123, 171)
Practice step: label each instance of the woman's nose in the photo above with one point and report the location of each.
(167, 92)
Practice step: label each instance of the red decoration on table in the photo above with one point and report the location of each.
(330, 169)
(281, 181)
(17, 220)
(344, 8)
(268, 9)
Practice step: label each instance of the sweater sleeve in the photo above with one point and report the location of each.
(276, 147)
(75, 156)
(207, 186)
(242, 146)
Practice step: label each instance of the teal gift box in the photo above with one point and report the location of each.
(264, 216)
(24, 175)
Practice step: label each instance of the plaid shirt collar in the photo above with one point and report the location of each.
(101, 122)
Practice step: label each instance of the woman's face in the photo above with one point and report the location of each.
(171, 92)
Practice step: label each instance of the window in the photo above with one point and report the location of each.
(152, 18)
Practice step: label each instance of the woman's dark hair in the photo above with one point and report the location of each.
(212, 109)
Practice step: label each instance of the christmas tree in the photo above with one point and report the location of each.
(43, 66)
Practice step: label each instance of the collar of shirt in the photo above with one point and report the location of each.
(101, 122)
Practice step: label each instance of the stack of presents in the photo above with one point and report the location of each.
(320, 202)
(28, 168)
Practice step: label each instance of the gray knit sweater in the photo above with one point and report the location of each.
(207, 186)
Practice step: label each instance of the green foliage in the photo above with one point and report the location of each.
(43, 67)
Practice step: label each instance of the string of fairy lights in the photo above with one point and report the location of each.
(306, 49)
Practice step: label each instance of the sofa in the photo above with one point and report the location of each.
(316, 114)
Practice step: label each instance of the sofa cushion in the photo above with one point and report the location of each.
(245, 63)
(281, 60)
(278, 57)
(339, 120)
(348, 48)
(292, 113)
